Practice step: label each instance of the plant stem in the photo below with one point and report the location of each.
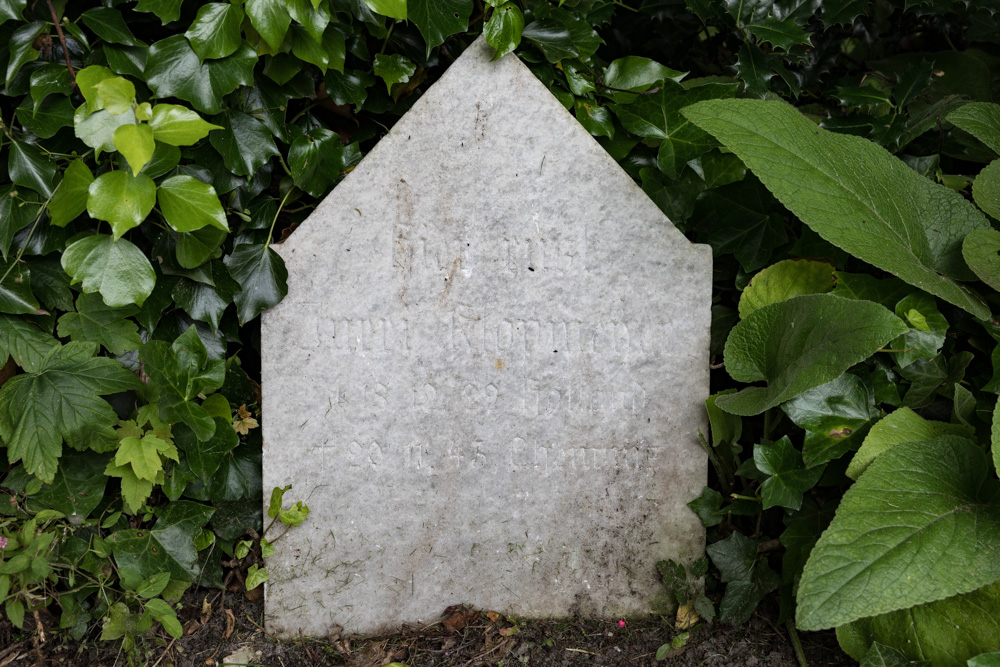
(270, 233)
(62, 40)
(796, 644)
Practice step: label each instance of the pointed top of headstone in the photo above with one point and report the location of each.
(488, 376)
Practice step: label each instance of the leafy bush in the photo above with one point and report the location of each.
(837, 156)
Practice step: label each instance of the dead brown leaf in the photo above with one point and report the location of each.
(230, 624)
(254, 595)
(493, 616)
(459, 616)
(686, 616)
(507, 632)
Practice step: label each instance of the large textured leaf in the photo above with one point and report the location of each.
(986, 189)
(167, 547)
(60, 401)
(981, 249)
(918, 505)
(117, 269)
(799, 344)
(121, 199)
(262, 277)
(244, 142)
(945, 633)
(782, 281)
(439, 19)
(215, 32)
(173, 69)
(850, 191)
(24, 342)
(94, 321)
(902, 425)
(981, 120)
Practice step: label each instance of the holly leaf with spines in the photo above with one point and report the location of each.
(918, 503)
(117, 269)
(60, 401)
(846, 189)
(94, 321)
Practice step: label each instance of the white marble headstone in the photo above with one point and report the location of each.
(488, 376)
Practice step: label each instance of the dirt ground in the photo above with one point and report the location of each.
(227, 630)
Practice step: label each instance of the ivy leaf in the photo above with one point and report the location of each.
(503, 30)
(393, 68)
(70, 199)
(26, 344)
(78, 487)
(317, 160)
(846, 189)
(117, 269)
(115, 95)
(207, 303)
(167, 11)
(394, 9)
(206, 457)
(121, 199)
(17, 210)
(167, 547)
(784, 280)
(439, 19)
(917, 504)
(22, 47)
(48, 80)
(799, 344)
(197, 247)
(97, 129)
(53, 114)
(788, 478)
(835, 417)
(29, 167)
(173, 69)
(50, 283)
(981, 120)
(11, 10)
(94, 321)
(748, 576)
(981, 250)
(15, 289)
(245, 143)
(215, 32)
(188, 204)
(136, 144)
(178, 373)
(270, 19)
(262, 277)
(926, 333)
(179, 126)
(60, 401)
(314, 17)
(109, 25)
(901, 425)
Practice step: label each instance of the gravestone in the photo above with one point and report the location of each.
(488, 376)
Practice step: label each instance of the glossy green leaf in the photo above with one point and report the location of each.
(394, 9)
(981, 120)
(780, 282)
(50, 283)
(393, 68)
(846, 188)
(47, 80)
(136, 144)
(167, 11)
(26, 344)
(178, 373)
(47, 118)
(835, 416)
(167, 547)
(561, 39)
(945, 633)
(594, 118)
(97, 130)
(901, 425)
(215, 32)
(27, 165)
(262, 277)
(316, 160)
(173, 69)
(639, 74)
(197, 247)
(986, 189)
(927, 329)
(153, 586)
(22, 47)
(308, 49)
(18, 209)
(11, 10)
(95, 321)
(919, 504)
(270, 19)
(127, 60)
(205, 457)
(70, 199)
(121, 199)
(991, 659)
(207, 303)
(799, 344)
(117, 269)
(503, 30)
(78, 486)
(981, 250)
(115, 95)
(788, 478)
(179, 126)
(109, 25)
(188, 204)
(15, 289)
(60, 401)
(747, 575)
(244, 142)
(438, 19)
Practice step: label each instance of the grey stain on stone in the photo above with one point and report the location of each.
(488, 376)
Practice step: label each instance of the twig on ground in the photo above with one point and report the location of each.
(165, 651)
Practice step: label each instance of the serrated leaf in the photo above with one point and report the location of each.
(799, 344)
(244, 142)
(981, 250)
(784, 280)
(60, 401)
(393, 68)
(135, 491)
(438, 19)
(270, 19)
(109, 25)
(503, 30)
(96, 322)
(215, 31)
(173, 69)
(26, 344)
(70, 199)
(981, 120)
(917, 504)
(167, 547)
(121, 199)
(136, 144)
(141, 455)
(262, 277)
(179, 126)
(117, 269)
(188, 204)
(847, 188)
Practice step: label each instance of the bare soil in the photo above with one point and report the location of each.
(227, 629)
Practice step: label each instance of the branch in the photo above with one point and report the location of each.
(62, 40)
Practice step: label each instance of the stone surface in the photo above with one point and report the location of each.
(488, 376)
